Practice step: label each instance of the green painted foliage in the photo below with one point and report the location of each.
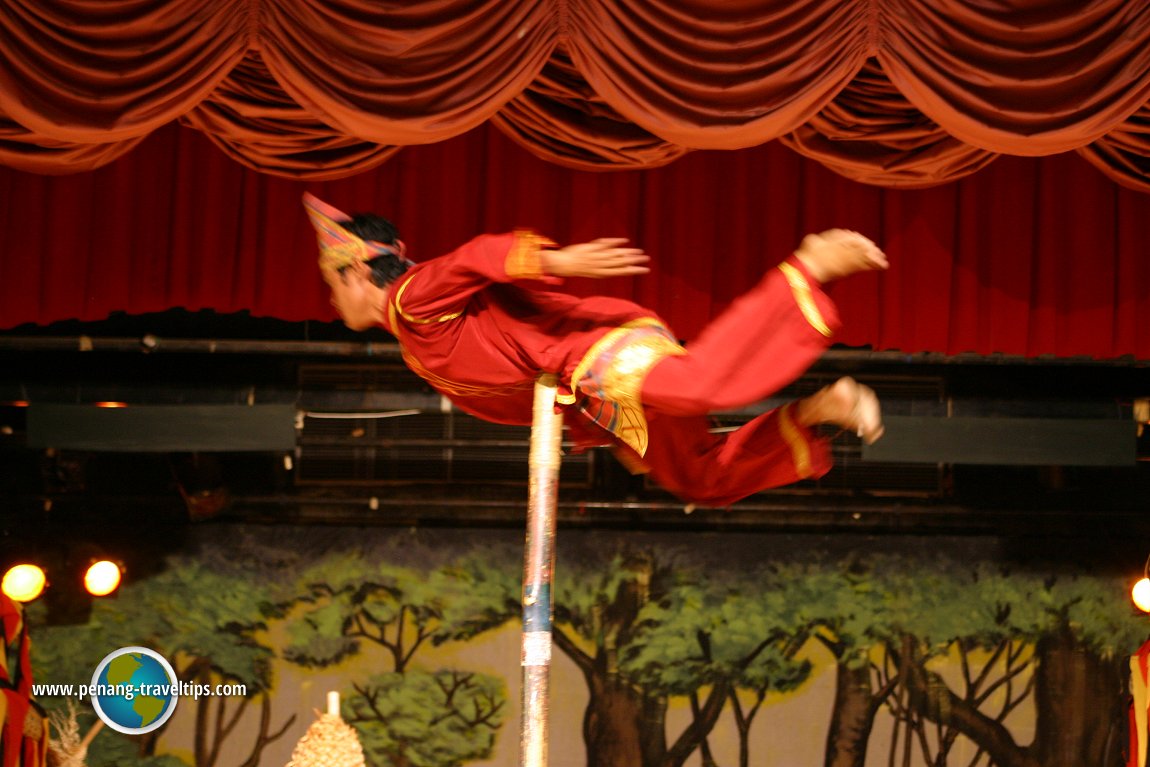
(479, 592)
(700, 632)
(427, 719)
(349, 599)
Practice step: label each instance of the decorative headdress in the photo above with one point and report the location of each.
(337, 246)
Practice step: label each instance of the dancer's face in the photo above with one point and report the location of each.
(355, 297)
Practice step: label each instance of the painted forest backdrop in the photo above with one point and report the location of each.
(703, 649)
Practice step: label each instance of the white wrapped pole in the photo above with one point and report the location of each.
(538, 564)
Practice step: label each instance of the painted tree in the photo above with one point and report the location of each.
(735, 639)
(841, 605)
(643, 630)
(937, 619)
(201, 616)
(1078, 628)
(597, 606)
(773, 670)
(427, 719)
(950, 650)
(673, 653)
(407, 716)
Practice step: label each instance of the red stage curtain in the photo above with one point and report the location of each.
(1027, 256)
(890, 92)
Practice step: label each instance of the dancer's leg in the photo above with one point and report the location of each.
(775, 449)
(772, 450)
(761, 343)
(766, 338)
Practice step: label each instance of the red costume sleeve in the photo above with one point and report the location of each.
(440, 294)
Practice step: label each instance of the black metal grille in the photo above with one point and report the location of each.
(446, 448)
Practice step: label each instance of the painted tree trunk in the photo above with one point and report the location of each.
(622, 727)
(1080, 705)
(851, 718)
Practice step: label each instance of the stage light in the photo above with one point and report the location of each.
(24, 582)
(1141, 591)
(1141, 595)
(102, 577)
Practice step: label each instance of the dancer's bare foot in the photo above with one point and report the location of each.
(836, 253)
(847, 404)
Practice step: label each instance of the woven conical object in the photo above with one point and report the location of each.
(329, 742)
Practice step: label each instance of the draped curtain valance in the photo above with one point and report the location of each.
(897, 93)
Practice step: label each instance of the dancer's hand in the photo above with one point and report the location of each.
(605, 257)
(838, 252)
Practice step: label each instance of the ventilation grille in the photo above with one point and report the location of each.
(850, 475)
(442, 448)
(385, 375)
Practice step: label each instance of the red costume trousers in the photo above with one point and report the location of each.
(760, 344)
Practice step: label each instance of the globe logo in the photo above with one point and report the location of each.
(134, 690)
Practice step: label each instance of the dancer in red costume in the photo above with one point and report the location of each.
(482, 323)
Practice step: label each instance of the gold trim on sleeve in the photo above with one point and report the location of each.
(523, 261)
(804, 298)
(800, 450)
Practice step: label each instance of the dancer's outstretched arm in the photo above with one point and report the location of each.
(605, 257)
